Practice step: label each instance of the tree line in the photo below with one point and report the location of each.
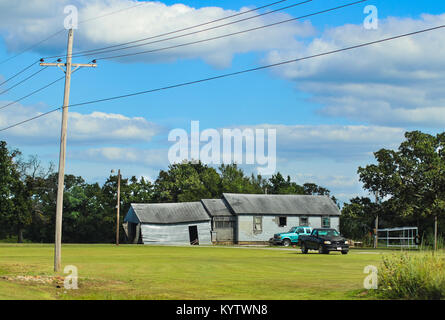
(407, 187)
(28, 193)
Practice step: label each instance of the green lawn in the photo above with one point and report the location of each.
(146, 272)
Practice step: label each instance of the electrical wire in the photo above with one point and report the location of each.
(173, 32)
(36, 91)
(18, 73)
(32, 93)
(203, 30)
(24, 80)
(35, 45)
(232, 74)
(230, 34)
(62, 30)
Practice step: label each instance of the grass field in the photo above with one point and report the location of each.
(208, 273)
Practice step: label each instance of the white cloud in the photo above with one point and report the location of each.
(397, 83)
(94, 128)
(336, 142)
(152, 158)
(294, 143)
(24, 21)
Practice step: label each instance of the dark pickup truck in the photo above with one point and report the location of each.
(324, 240)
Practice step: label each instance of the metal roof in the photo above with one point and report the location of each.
(268, 204)
(170, 213)
(216, 208)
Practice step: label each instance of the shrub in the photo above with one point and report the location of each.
(419, 276)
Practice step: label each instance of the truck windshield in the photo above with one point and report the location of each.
(292, 230)
(328, 232)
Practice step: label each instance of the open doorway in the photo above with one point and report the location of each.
(193, 233)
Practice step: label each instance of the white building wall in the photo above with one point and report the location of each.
(175, 234)
(315, 222)
(271, 226)
(335, 223)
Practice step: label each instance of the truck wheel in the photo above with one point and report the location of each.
(286, 242)
(344, 252)
(322, 251)
(304, 250)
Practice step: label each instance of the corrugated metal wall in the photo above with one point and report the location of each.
(175, 234)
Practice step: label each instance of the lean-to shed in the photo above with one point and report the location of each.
(169, 223)
(223, 221)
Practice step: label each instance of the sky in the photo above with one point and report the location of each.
(330, 113)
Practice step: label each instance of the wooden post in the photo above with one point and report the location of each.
(435, 232)
(376, 241)
(62, 156)
(118, 204)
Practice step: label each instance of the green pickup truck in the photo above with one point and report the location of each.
(290, 237)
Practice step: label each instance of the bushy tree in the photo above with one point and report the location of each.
(412, 179)
(15, 205)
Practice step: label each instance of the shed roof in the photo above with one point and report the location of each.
(266, 204)
(170, 213)
(216, 208)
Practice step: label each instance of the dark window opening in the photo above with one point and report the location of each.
(283, 221)
(304, 221)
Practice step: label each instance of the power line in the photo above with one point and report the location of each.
(204, 30)
(24, 80)
(34, 92)
(231, 74)
(62, 30)
(18, 73)
(176, 31)
(229, 34)
(115, 12)
(238, 14)
(32, 46)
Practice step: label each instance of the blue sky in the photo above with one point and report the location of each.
(331, 113)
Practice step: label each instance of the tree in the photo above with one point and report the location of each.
(187, 181)
(15, 205)
(412, 178)
(357, 218)
(233, 180)
(279, 185)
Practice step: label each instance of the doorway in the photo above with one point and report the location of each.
(193, 233)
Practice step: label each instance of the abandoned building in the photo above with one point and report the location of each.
(233, 219)
(223, 221)
(260, 216)
(168, 223)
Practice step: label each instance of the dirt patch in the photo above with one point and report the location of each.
(55, 280)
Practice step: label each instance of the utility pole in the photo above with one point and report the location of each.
(61, 181)
(376, 242)
(376, 239)
(435, 232)
(118, 204)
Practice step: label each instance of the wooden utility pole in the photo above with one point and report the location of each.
(376, 239)
(376, 242)
(61, 181)
(118, 204)
(435, 232)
